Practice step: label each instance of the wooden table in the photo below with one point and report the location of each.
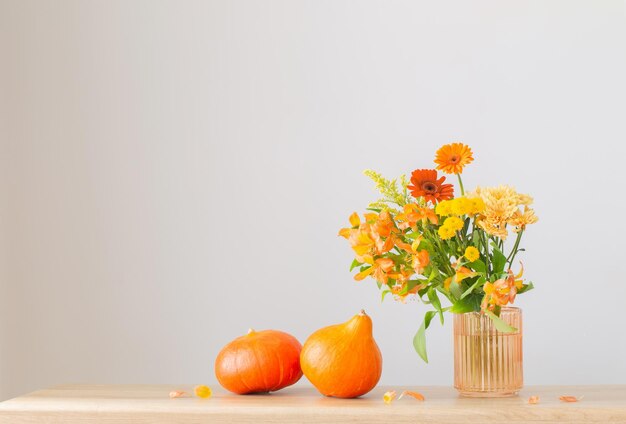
(110, 404)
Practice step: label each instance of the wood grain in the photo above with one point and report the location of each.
(111, 404)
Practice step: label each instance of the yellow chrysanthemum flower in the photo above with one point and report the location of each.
(461, 206)
(478, 205)
(471, 253)
(444, 208)
(454, 223)
(445, 232)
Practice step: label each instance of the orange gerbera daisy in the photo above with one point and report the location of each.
(452, 158)
(424, 183)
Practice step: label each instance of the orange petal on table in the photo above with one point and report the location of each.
(414, 395)
(389, 396)
(533, 400)
(176, 394)
(569, 398)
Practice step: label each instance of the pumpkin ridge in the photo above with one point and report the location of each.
(260, 369)
(241, 378)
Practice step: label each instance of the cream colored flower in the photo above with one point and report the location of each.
(502, 205)
(494, 227)
(520, 220)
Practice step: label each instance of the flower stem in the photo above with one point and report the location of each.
(486, 245)
(461, 184)
(514, 251)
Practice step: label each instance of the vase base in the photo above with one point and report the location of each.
(503, 394)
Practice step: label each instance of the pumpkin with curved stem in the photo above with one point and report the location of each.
(260, 361)
(343, 360)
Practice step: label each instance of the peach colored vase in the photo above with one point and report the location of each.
(487, 362)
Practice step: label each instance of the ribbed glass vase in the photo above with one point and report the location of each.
(487, 362)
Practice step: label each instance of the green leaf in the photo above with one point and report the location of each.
(434, 300)
(526, 287)
(426, 244)
(422, 292)
(470, 303)
(455, 288)
(478, 282)
(411, 284)
(478, 266)
(499, 260)
(499, 323)
(433, 274)
(383, 294)
(419, 341)
(354, 264)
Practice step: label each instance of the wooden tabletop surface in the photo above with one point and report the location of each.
(110, 404)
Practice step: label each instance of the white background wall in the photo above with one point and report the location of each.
(176, 172)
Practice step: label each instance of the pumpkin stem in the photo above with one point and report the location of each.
(250, 330)
(362, 313)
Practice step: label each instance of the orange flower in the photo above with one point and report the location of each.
(381, 267)
(420, 261)
(413, 213)
(461, 272)
(503, 291)
(378, 269)
(452, 158)
(447, 282)
(375, 236)
(399, 290)
(425, 184)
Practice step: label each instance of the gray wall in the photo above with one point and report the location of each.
(176, 172)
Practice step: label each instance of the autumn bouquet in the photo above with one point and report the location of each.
(420, 241)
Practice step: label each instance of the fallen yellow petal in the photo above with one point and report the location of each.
(415, 395)
(176, 394)
(569, 398)
(533, 400)
(203, 391)
(389, 396)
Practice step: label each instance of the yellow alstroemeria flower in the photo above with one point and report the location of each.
(462, 273)
(354, 219)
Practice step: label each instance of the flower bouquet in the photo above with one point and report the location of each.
(421, 241)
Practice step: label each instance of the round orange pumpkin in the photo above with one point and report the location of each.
(343, 360)
(260, 361)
